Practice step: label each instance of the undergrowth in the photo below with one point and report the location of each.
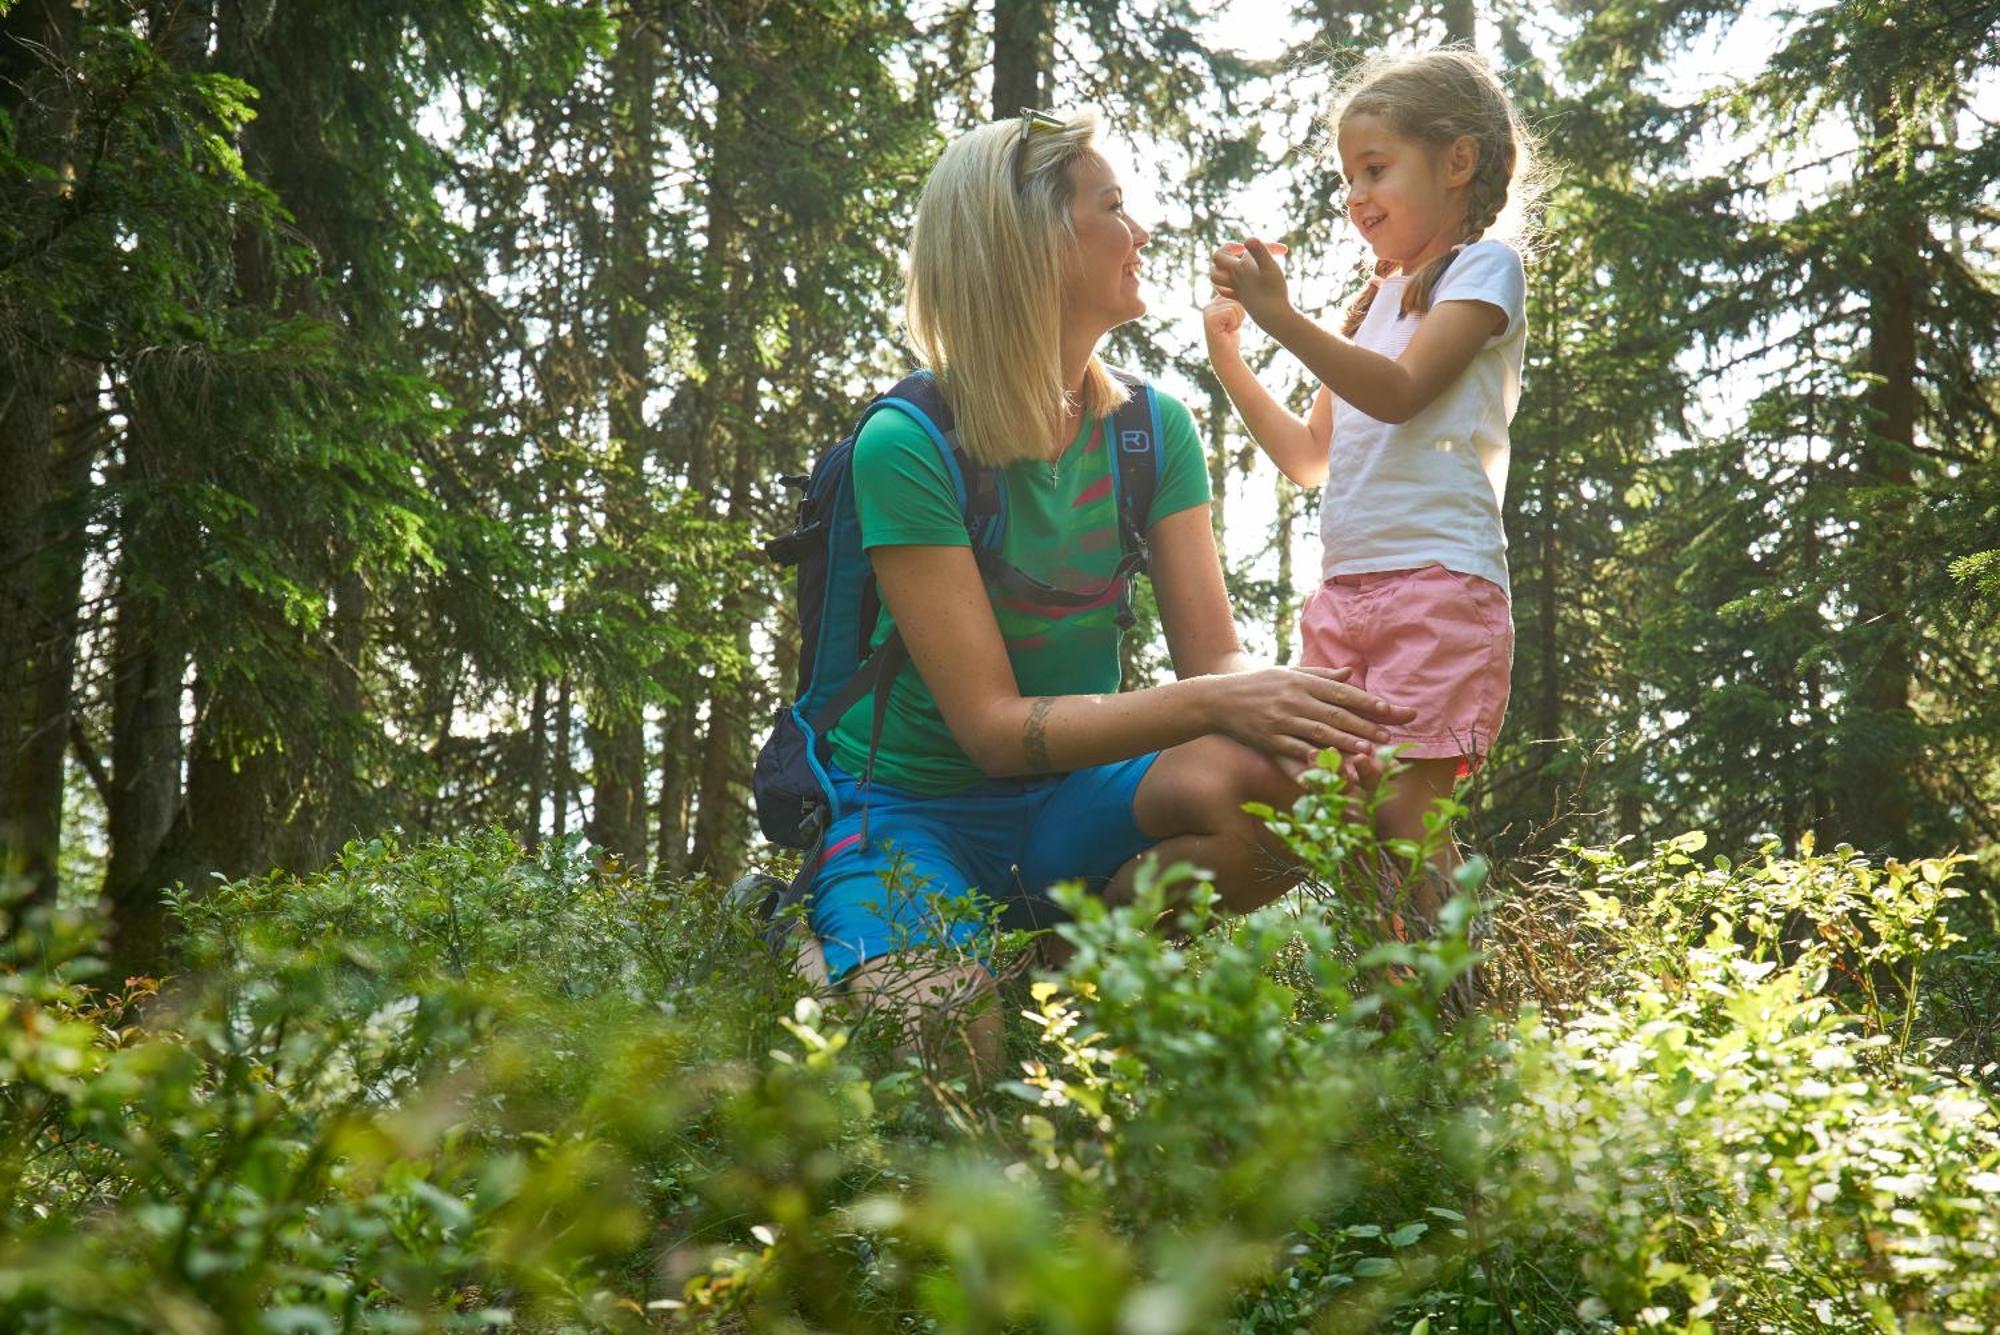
(460, 1086)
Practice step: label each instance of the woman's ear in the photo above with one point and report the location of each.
(1461, 160)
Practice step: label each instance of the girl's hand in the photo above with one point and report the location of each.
(1249, 272)
(1294, 713)
(1222, 324)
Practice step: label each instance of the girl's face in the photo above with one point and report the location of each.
(1406, 197)
(1103, 283)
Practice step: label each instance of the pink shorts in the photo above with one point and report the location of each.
(1431, 639)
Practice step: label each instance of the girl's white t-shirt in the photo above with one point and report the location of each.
(1402, 495)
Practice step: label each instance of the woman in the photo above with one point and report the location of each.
(1007, 759)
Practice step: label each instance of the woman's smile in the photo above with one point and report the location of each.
(1108, 240)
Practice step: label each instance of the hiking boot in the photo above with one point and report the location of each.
(757, 893)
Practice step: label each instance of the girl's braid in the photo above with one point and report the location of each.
(1357, 310)
(1485, 196)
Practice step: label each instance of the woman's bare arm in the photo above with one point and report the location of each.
(940, 605)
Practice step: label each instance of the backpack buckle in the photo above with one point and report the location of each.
(813, 825)
(789, 548)
(1142, 551)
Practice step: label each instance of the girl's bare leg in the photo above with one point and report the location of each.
(1409, 796)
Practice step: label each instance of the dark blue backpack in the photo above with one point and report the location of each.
(838, 604)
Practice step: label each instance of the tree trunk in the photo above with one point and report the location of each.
(718, 833)
(538, 746)
(1023, 55)
(1879, 746)
(343, 810)
(149, 653)
(1460, 25)
(1817, 742)
(565, 776)
(37, 42)
(157, 838)
(27, 405)
(616, 730)
(1548, 632)
(35, 798)
(617, 826)
(727, 356)
(683, 451)
(677, 773)
(146, 667)
(1548, 724)
(145, 799)
(226, 825)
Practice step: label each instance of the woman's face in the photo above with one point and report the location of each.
(1102, 289)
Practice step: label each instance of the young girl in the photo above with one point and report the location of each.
(1409, 429)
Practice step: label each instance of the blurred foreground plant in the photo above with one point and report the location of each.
(458, 1086)
(416, 1091)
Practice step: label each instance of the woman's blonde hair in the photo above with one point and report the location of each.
(989, 254)
(1436, 98)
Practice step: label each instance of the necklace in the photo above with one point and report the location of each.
(1073, 405)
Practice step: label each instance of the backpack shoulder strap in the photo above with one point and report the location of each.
(1137, 446)
(981, 499)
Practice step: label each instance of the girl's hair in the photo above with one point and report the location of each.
(1435, 98)
(989, 254)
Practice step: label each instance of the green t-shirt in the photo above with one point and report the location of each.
(1063, 530)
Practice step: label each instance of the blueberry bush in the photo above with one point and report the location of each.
(459, 1086)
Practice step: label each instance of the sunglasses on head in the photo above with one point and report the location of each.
(1032, 121)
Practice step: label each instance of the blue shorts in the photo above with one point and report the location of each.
(1008, 839)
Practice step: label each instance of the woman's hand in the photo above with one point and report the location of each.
(1294, 713)
(1249, 272)
(1290, 714)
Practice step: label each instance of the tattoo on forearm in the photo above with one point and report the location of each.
(1034, 740)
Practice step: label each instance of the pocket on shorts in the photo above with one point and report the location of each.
(1489, 603)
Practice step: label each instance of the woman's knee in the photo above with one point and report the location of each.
(1207, 782)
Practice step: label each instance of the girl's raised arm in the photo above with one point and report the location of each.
(1294, 445)
(1389, 390)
